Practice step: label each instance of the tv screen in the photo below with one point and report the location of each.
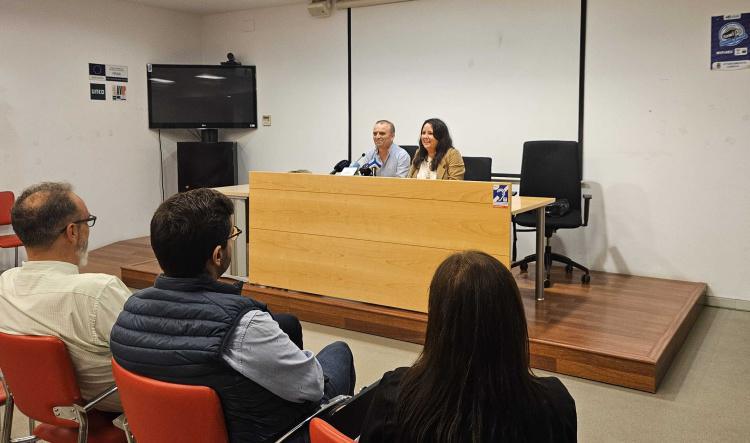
(201, 96)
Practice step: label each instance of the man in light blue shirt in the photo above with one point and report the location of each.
(390, 158)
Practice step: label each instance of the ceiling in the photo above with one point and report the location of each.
(213, 6)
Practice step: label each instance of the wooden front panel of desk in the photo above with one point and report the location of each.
(369, 239)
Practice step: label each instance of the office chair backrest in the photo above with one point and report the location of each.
(411, 149)
(40, 376)
(478, 169)
(322, 432)
(551, 169)
(158, 411)
(6, 204)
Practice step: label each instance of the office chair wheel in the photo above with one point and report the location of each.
(568, 269)
(524, 267)
(547, 283)
(585, 278)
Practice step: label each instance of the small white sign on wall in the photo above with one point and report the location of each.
(117, 73)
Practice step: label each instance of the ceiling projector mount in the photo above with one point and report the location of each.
(323, 8)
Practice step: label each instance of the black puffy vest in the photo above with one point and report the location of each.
(176, 331)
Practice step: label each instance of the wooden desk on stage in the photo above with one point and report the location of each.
(374, 240)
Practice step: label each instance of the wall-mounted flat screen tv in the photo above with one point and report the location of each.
(201, 96)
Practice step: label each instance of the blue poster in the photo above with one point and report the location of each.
(729, 42)
(500, 196)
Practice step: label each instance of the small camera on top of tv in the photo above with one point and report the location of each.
(231, 61)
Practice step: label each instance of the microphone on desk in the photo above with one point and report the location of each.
(340, 166)
(370, 169)
(355, 164)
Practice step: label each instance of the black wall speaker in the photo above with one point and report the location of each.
(206, 165)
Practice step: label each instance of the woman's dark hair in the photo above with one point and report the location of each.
(187, 227)
(472, 382)
(440, 132)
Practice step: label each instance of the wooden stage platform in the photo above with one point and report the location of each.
(619, 329)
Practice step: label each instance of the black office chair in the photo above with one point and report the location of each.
(552, 169)
(478, 169)
(411, 149)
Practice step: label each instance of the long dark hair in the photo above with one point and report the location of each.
(472, 382)
(441, 134)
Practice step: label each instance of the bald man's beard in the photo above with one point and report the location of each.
(82, 252)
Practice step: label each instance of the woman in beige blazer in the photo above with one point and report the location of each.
(436, 158)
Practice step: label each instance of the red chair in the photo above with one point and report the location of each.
(8, 418)
(42, 384)
(9, 240)
(3, 399)
(160, 412)
(322, 432)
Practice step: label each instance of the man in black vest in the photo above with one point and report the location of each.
(190, 328)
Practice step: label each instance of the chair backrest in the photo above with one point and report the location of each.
(322, 432)
(158, 411)
(411, 149)
(6, 204)
(478, 169)
(40, 375)
(551, 169)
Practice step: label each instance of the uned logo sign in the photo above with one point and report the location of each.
(98, 92)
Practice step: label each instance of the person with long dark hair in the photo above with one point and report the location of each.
(436, 157)
(472, 382)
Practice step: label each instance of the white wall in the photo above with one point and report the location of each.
(498, 73)
(51, 130)
(302, 83)
(666, 146)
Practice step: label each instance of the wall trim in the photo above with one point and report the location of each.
(727, 303)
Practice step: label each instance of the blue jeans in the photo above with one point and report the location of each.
(337, 362)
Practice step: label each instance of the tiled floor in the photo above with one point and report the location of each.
(704, 397)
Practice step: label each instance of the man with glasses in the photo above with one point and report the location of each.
(48, 296)
(191, 328)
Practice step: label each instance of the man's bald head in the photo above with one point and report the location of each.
(42, 211)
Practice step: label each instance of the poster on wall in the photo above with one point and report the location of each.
(729, 42)
(97, 91)
(96, 72)
(118, 92)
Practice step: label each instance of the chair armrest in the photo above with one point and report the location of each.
(335, 401)
(101, 396)
(77, 412)
(586, 201)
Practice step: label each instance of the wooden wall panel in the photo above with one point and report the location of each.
(386, 274)
(418, 222)
(442, 190)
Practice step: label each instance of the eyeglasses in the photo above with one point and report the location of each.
(235, 233)
(90, 220)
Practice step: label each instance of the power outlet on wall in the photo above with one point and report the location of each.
(266, 120)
